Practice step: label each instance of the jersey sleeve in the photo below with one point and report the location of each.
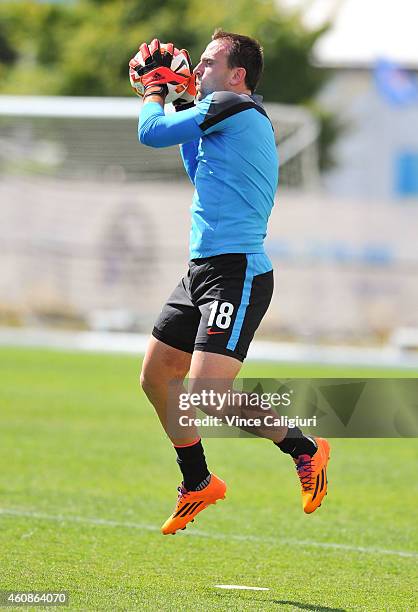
(156, 129)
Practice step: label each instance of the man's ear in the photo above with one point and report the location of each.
(238, 76)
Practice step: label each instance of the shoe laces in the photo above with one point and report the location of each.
(304, 468)
(182, 492)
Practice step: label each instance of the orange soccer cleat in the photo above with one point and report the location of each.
(312, 472)
(190, 503)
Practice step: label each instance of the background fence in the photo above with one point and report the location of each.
(95, 228)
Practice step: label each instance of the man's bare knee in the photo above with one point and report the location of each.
(153, 377)
(150, 380)
(144, 381)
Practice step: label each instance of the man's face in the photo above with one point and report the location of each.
(212, 72)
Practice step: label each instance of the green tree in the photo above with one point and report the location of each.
(83, 48)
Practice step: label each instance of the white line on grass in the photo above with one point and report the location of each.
(240, 587)
(204, 534)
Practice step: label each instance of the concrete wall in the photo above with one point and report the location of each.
(343, 268)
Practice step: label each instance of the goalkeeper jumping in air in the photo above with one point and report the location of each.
(205, 328)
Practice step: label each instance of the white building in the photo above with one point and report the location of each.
(378, 154)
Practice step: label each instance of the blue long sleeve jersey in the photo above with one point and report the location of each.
(228, 149)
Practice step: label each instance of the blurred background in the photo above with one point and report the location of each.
(94, 231)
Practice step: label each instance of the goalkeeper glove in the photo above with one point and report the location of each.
(187, 97)
(152, 66)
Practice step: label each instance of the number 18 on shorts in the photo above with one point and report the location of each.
(218, 305)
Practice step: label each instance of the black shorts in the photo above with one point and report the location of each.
(218, 305)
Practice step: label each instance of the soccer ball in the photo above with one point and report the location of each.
(179, 65)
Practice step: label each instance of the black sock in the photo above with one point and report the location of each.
(192, 462)
(295, 443)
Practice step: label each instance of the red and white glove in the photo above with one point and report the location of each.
(187, 97)
(151, 68)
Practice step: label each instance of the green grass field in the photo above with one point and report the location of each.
(87, 478)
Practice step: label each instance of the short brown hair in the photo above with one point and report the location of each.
(244, 52)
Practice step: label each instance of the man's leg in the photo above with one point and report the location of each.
(220, 371)
(310, 455)
(191, 501)
(162, 364)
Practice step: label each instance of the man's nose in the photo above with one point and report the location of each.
(197, 70)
